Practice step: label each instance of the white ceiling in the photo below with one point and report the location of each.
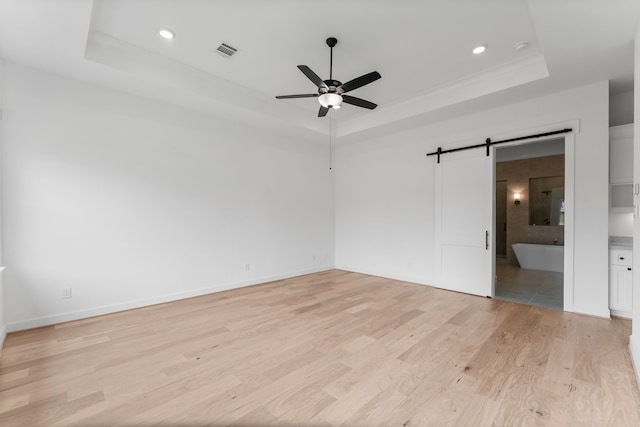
(422, 48)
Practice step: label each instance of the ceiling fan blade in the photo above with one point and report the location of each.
(358, 102)
(312, 76)
(360, 81)
(323, 111)
(307, 95)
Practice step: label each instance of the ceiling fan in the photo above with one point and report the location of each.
(331, 93)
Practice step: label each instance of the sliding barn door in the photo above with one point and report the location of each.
(464, 222)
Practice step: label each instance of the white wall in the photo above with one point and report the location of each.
(634, 342)
(385, 190)
(131, 202)
(3, 328)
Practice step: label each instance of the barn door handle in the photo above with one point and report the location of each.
(486, 239)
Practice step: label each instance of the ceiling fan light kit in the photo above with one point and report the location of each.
(330, 100)
(331, 93)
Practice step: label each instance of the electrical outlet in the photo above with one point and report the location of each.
(66, 293)
(247, 267)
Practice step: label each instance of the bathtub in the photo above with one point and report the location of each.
(540, 257)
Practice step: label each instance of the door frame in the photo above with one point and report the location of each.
(569, 215)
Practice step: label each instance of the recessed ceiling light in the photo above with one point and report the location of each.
(166, 33)
(479, 49)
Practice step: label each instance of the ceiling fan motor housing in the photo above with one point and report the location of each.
(333, 86)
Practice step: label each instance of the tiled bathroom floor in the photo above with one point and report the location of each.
(534, 287)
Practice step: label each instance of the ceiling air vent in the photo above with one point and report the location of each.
(226, 50)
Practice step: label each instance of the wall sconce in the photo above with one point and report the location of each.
(516, 199)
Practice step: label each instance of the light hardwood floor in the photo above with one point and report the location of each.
(332, 348)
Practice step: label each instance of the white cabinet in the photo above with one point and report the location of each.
(621, 154)
(620, 282)
(621, 166)
(621, 196)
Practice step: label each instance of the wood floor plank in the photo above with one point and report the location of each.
(331, 348)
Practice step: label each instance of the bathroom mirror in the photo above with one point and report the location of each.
(546, 201)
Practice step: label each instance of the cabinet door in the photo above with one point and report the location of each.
(621, 154)
(621, 288)
(621, 196)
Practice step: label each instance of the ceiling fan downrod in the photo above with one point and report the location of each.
(331, 42)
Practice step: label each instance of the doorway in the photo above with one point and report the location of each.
(530, 211)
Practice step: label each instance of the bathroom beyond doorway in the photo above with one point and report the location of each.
(529, 212)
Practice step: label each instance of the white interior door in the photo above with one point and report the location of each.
(464, 222)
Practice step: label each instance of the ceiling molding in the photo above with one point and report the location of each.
(514, 74)
(223, 96)
(424, 56)
(208, 92)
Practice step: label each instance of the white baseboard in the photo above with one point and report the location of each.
(112, 308)
(623, 314)
(3, 336)
(592, 311)
(401, 278)
(589, 311)
(3, 327)
(634, 347)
